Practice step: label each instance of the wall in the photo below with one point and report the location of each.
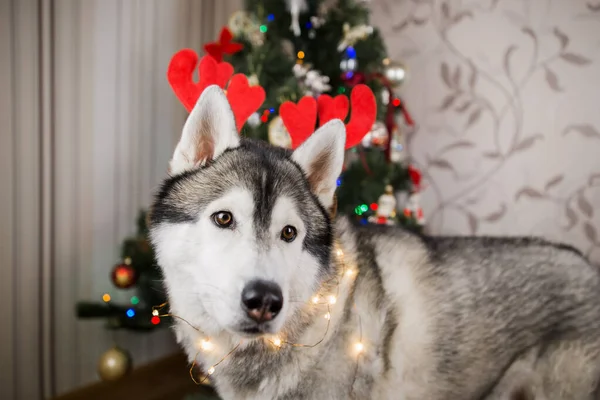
(506, 95)
(88, 123)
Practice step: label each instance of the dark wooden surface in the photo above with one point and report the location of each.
(164, 379)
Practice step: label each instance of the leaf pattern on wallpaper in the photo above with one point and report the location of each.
(585, 206)
(460, 16)
(586, 130)
(447, 102)
(456, 77)
(497, 215)
(528, 142)
(463, 107)
(445, 73)
(590, 232)
(461, 144)
(593, 7)
(554, 181)
(443, 165)
(575, 59)
(552, 80)
(492, 155)
(594, 180)
(473, 222)
(528, 192)
(564, 39)
(419, 21)
(474, 75)
(528, 31)
(488, 114)
(401, 26)
(474, 117)
(507, 56)
(445, 8)
(571, 218)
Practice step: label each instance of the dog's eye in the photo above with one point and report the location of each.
(288, 233)
(223, 219)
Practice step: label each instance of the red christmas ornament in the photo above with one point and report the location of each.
(223, 46)
(123, 276)
(354, 79)
(415, 177)
(155, 320)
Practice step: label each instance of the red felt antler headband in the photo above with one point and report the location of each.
(243, 98)
(299, 119)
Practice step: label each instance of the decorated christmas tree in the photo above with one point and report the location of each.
(324, 49)
(138, 271)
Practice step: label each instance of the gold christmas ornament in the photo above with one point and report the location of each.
(395, 72)
(377, 136)
(242, 24)
(278, 134)
(253, 80)
(114, 364)
(354, 34)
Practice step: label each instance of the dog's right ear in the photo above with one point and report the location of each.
(208, 131)
(321, 157)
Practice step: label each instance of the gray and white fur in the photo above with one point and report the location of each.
(244, 237)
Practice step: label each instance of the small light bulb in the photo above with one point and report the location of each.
(277, 342)
(106, 297)
(359, 347)
(155, 313)
(340, 252)
(315, 299)
(327, 316)
(210, 371)
(350, 272)
(206, 345)
(332, 299)
(127, 261)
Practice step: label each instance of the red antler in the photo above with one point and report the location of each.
(243, 98)
(300, 119)
(180, 75)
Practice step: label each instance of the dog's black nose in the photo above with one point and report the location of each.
(262, 300)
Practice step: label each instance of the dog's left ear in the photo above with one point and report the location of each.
(207, 133)
(321, 157)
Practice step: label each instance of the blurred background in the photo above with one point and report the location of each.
(488, 124)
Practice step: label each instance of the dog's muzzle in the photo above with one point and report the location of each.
(262, 300)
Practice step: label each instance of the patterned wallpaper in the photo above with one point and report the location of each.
(507, 97)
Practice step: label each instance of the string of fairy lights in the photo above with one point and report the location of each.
(206, 345)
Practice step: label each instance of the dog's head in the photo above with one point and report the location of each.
(241, 229)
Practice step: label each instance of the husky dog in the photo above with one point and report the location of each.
(315, 307)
